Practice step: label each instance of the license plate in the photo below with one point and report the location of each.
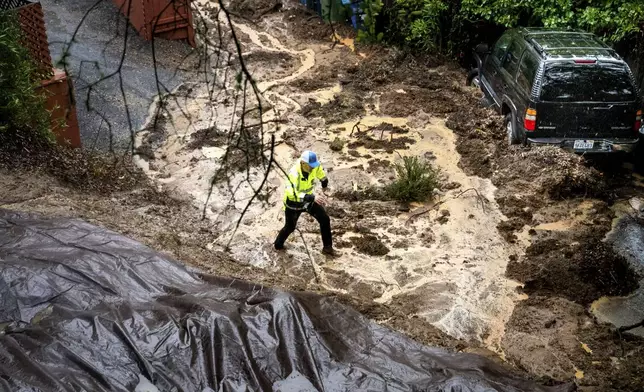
(583, 144)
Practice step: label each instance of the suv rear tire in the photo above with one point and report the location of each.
(473, 78)
(510, 130)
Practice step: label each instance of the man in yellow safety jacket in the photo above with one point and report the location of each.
(299, 197)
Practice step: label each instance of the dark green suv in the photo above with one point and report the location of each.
(564, 88)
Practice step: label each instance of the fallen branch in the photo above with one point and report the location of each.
(626, 328)
(355, 126)
(479, 200)
(629, 327)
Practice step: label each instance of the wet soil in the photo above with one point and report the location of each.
(390, 143)
(581, 271)
(254, 9)
(407, 102)
(306, 26)
(208, 137)
(94, 172)
(343, 107)
(554, 338)
(265, 64)
(370, 245)
(386, 66)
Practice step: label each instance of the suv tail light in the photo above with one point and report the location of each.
(530, 120)
(638, 121)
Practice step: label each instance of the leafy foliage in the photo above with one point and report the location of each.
(419, 22)
(23, 117)
(442, 25)
(368, 32)
(416, 181)
(612, 19)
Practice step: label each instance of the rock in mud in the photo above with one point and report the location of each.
(443, 217)
(370, 245)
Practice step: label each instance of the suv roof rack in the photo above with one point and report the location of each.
(579, 48)
(548, 41)
(529, 32)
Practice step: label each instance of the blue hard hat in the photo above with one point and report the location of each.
(310, 158)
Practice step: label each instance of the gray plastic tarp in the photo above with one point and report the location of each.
(84, 308)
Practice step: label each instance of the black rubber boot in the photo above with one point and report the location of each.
(329, 251)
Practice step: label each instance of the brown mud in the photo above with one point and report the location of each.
(370, 245)
(338, 110)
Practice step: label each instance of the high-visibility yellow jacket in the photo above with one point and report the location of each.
(298, 185)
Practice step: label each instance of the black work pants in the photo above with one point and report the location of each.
(316, 211)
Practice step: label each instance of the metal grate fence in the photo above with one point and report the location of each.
(6, 5)
(34, 33)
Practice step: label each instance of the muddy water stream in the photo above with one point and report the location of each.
(454, 268)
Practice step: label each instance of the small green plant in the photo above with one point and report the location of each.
(416, 181)
(24, 121)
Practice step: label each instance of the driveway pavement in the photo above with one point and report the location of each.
(96, 53)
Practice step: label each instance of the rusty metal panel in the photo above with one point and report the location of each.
(174, 20)
(168, 19)
(134, 11)
(59, 96)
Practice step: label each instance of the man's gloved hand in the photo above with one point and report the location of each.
(325, 183)
(309, 198)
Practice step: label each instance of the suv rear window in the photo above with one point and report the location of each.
(527, 71)
(567, 82)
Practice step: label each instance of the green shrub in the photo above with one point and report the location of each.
(418, 24)
(24, 121)
(455, 26)
(416, 181)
